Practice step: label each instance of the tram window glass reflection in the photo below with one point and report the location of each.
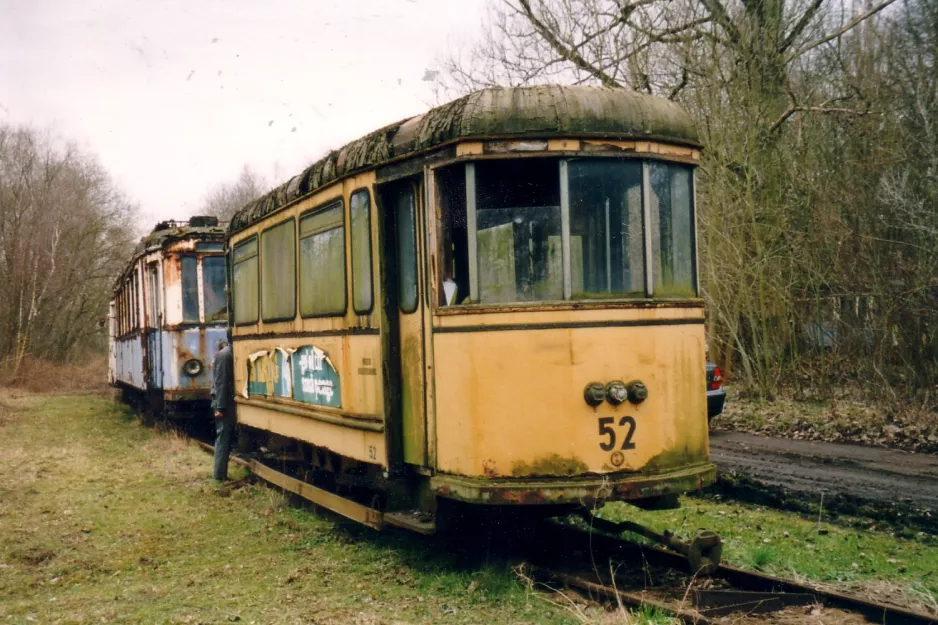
(244, 277)
(153, 273)
(322, 261)
(454, 241)
(213, 285)
(606, 234)
(406, 225)
(518, 231)
(360, 205)
(672, 233)
(278, 272)
(190, 289)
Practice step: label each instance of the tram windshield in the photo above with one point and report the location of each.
(213, 285)
(537, 229)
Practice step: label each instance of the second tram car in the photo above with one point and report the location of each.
(167, 316)
(495, 303)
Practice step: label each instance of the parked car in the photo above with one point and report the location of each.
(716, 396)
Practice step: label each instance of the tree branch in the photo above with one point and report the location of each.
(800, 26)
(565, 51)
(837, 33)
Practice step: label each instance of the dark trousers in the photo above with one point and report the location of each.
(224, 431)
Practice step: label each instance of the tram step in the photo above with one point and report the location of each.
(413, 520)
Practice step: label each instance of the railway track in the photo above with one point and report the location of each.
(592, 562)
(601, 565)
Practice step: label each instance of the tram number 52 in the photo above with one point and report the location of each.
(606, 429)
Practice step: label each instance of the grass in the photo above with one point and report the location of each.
(794, 546)
(102, 520)
(105, 521)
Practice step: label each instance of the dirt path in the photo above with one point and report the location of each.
(879, 475)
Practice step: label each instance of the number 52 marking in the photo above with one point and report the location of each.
(606, 429)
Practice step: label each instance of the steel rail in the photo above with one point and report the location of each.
(592, 539)
(739, 578)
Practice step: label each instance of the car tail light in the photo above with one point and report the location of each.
(717, 381)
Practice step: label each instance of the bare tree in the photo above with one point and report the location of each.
(64, 233)
(816, 187)
(224, 200)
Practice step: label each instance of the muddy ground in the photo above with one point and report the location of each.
(892, 486)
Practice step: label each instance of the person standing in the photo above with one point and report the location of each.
(223, 408)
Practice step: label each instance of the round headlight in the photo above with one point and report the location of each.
(616, 393)
(193, 367)
(638, 392)
(593, 394)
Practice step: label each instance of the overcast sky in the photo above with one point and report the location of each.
(174, 96)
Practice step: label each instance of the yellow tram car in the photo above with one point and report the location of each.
(495, 302)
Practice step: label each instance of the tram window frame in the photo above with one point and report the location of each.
(495, 192)
(193, 298)
(235, 262)
(369, 265)
(662, 287)
(304, 283)
(155, 300)
(624, 253)
(205, 289)
(290, 285)
(407, 306)
(448, 203)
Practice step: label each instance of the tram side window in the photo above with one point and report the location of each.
(362, 294)
(153, 274)
(244, 277)
(406, 227)
(190, 289)
(606, 235)
(518, 231)
(278, 268)
(454, 241)
(672, 233)
(213, 286)
(322, 261)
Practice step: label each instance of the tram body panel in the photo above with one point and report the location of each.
(129, 361)
(177, 346)
(511, 403)
(324, 390)
(352, 442)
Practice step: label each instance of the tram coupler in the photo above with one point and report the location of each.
(704, 552)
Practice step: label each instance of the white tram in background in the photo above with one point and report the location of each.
(167, 316)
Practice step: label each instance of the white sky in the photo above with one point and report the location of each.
(175, 96)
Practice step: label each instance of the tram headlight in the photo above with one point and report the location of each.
(193, 367)
(616, 393)
(637, 391)
(594, 394)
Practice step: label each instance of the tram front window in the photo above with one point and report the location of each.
(518, 231)
(501, 227)
(606, 236)
(672, 230)
(213, 286)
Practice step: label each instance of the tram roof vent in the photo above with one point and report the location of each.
(203, 221)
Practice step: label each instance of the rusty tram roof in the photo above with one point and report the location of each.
(539, 112)
(170, 231)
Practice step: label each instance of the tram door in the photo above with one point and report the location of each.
(403, 234)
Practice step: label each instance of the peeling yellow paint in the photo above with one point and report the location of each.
(469, 148)
(514, 398)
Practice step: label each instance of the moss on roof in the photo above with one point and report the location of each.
(518, 112)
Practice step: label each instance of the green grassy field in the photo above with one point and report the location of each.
(104, 521)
